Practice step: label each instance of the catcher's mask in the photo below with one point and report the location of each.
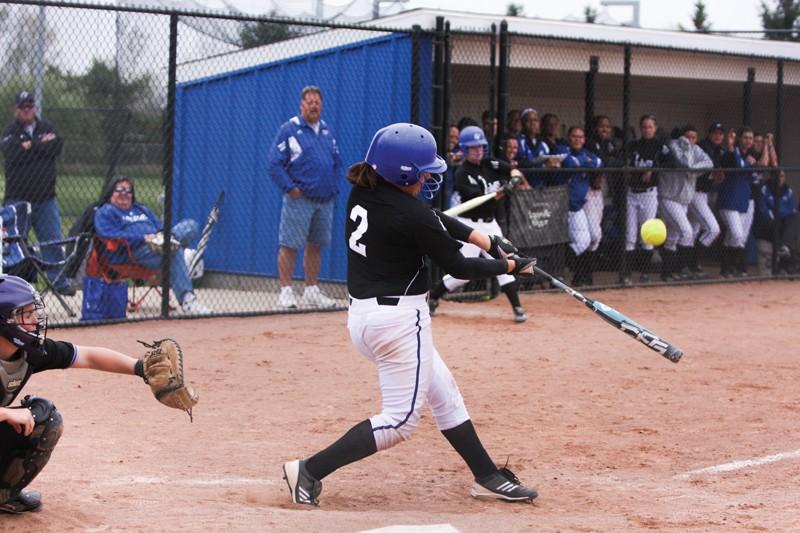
(401, 153)
(21, 307)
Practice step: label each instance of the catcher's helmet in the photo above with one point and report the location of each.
(401, 152)
(16, 293)
(472, 136)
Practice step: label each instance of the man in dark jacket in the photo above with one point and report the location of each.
(30, 147)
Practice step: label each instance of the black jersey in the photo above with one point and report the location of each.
(15, 372)
(388, 234)
(715, 152)
(473, 180)
(648, 153)
(611, 157)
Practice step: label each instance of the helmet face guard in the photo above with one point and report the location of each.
(402, 153)
(15, 295)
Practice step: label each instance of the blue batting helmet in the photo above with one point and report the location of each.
(472, 136)
(16, 293)
(401, 152)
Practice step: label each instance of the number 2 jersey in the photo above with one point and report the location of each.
(388, 234)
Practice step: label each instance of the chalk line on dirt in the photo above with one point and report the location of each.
(193, 482)
(739, 465)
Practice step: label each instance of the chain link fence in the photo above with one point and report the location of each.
(166, 163)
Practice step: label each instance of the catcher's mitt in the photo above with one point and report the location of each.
(163, 371)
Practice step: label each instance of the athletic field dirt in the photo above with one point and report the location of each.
(615, 437)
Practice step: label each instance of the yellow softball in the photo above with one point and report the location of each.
(654, 232)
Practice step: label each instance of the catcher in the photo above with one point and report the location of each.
(30, 431)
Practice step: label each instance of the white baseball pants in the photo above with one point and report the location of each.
(398, 339)
(679, 229)
(642, 206)
(704, 223)
(594, 214)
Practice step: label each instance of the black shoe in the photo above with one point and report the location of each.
(503, 485)
(303, 488)
(433, 303)
(644, 278)
(27, 501)
(519, 315)
(626, 281)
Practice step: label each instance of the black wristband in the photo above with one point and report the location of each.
(138, 368)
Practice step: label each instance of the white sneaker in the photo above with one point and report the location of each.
(192, 306)
(313, 296)
(286, 298)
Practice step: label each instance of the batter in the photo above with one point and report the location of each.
(389, 232)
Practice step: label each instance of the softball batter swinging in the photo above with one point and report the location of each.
(389, 232)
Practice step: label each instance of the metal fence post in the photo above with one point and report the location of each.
(168, 133)
(446, 89)
(626, 101)
(776, 236)
(438, 86)
(502, 78)
(779, 109)
(620, 192)
(747, 98)
(591, 78)
(415, 88)
(494, 147)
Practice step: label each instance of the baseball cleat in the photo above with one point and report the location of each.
(303, 488)
(27, 501)
(519, 315)
(502, 485)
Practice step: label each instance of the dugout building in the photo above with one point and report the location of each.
(436, 67)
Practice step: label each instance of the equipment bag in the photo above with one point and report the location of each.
(103, 300)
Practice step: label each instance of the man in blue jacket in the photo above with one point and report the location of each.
(121, 217)
(305, 163)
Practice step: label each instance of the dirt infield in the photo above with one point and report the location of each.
(614, 436)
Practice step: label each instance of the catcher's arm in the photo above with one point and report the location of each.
(104, 359)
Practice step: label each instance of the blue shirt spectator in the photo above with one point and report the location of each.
(305, 164)
(578, 182)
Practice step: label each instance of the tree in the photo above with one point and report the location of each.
(784, 16)
(260, 33)
(515, 10)
(590, 14)
(699, 19)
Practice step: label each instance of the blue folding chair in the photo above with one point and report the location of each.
(24, 259)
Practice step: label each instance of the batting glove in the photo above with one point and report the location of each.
(501, 247)
(523, 266)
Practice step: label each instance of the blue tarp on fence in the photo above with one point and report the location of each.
(225, 124)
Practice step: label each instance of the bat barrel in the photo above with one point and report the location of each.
(673, 353)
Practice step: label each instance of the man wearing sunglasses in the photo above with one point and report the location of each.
(30, 147)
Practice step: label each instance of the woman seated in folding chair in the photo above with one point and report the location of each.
(122, 218)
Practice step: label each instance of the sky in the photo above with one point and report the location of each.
(660, 14)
